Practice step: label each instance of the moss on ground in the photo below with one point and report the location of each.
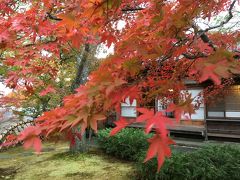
(55, 162)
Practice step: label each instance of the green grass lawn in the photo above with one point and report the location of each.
(55, 162)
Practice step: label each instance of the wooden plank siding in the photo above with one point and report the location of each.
(223, 128)
(223, 117)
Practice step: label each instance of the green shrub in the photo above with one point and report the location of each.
(210, 162)
(127, 144)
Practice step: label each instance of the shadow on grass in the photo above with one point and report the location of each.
(7, 173)
(72, 156)
(80, 174)
(75, 156)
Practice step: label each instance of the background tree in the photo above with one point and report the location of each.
(73, 69)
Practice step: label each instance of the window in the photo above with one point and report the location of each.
(227, 106)
(216, 109)
(129, 110)
(199, 115)
(232, 102)
(197, 95)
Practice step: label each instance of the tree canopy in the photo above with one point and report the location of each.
(162, 44)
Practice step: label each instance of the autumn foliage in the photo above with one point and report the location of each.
(161, 45)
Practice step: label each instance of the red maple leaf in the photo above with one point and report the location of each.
(11, 140)
(108, 38)
(48, 90)
(30, 136)
(120, 124)
(95, 118)
(208, 73)
(4, 35)
(11, 137)
(157, 121)
(185, 106)
(159, 146)
(177, 111)
(146, 114)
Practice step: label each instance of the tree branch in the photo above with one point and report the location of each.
(129, 9)
(206, 39)
(230, 16)
(202, 33)
(194, 56)
(52, 17)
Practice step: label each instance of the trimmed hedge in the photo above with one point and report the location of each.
(127, 144)
(211, 162)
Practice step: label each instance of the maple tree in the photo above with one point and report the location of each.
(162, 44)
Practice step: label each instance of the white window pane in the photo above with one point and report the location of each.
(232, 114)
(128, 111)
(215, 114)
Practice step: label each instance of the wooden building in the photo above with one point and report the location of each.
(220, 119)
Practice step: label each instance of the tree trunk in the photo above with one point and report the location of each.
(81, 77)
(79, 145)
(82, 68)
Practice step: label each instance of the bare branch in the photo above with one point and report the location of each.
(230, 16)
